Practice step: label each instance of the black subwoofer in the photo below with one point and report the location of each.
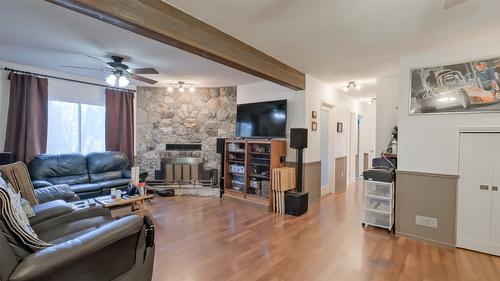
(296, 203)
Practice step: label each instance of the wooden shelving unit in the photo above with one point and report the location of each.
(248, 165)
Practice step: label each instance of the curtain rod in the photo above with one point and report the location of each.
(66, 79)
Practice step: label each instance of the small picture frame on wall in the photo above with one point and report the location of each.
(314, 126)
(340, 127)
(314, 115)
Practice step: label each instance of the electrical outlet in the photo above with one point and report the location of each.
(432, 222)
(426, 221)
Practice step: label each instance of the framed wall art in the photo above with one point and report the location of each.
(470, 87)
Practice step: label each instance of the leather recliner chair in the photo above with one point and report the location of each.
(88, 176)
(88, 245)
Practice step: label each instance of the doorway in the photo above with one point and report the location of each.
(327, 165)
(352, 142)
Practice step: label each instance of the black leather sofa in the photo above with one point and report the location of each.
(88, 244)
(88, 176)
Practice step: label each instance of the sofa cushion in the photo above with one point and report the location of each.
(108, 165)
(114, 183)
(49, 210)
(68, 168)
(85, 187)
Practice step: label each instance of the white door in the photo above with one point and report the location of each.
(495, 201)
(474, 193)
(326, 164)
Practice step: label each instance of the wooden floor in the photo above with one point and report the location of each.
(210, 239)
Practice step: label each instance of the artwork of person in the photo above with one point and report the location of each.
(431, 79)
(486, 76)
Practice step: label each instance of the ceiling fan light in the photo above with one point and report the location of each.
(111, 80)
(170, 89)
(192, 89)
(181, 89)
(123, 81)
(346, 89)
(358, 87)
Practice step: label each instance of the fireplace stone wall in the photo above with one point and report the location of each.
(199, 117)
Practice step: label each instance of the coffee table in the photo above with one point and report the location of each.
(109, 203)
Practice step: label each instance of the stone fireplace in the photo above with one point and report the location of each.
(173, 118)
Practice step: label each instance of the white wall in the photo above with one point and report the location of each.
(430, 143)
(367, 135)
(267, 91)
(387, 110)
(317, 93)
(58, 90)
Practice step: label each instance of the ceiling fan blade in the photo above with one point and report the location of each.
(143, 79)
(98, 59)
(87, 68)
(147, 70)
(452, 3)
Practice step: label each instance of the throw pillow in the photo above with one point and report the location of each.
(15, 218)
(28, 210)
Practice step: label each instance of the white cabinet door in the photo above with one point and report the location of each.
(495, 202)
(474, 194)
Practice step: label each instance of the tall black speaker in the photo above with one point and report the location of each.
(298, 138)
(221, 145)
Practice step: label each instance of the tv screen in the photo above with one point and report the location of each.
(263, 119)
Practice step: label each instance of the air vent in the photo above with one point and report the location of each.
(183, 147)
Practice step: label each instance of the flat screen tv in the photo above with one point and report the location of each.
(263, 119)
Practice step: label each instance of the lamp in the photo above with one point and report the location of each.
(353, 85)
(181, 87)
(123, 82)
(111, 80)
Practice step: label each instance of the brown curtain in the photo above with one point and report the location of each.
(26, 134)
(120, 122)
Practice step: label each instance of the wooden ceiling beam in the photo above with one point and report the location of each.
(162, 22)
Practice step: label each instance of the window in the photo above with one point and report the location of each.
(75, 127)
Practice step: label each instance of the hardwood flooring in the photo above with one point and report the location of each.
(209, 239)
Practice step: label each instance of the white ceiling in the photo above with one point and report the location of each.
(44, 35)
(343, 40)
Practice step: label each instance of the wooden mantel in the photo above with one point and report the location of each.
(162, 22)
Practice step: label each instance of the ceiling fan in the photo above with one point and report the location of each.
(120, 71)
(452, 3)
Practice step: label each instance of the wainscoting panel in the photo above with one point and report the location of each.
(429, 195)
(340, 173)
(312, 180)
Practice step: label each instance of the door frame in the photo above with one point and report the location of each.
(351, 147)
(331, 147)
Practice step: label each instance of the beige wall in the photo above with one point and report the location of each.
(430, 195)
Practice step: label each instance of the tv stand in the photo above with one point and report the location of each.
(248, 165)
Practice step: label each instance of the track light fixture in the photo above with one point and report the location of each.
(372, 100)
(181, 87)
(353, 85)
